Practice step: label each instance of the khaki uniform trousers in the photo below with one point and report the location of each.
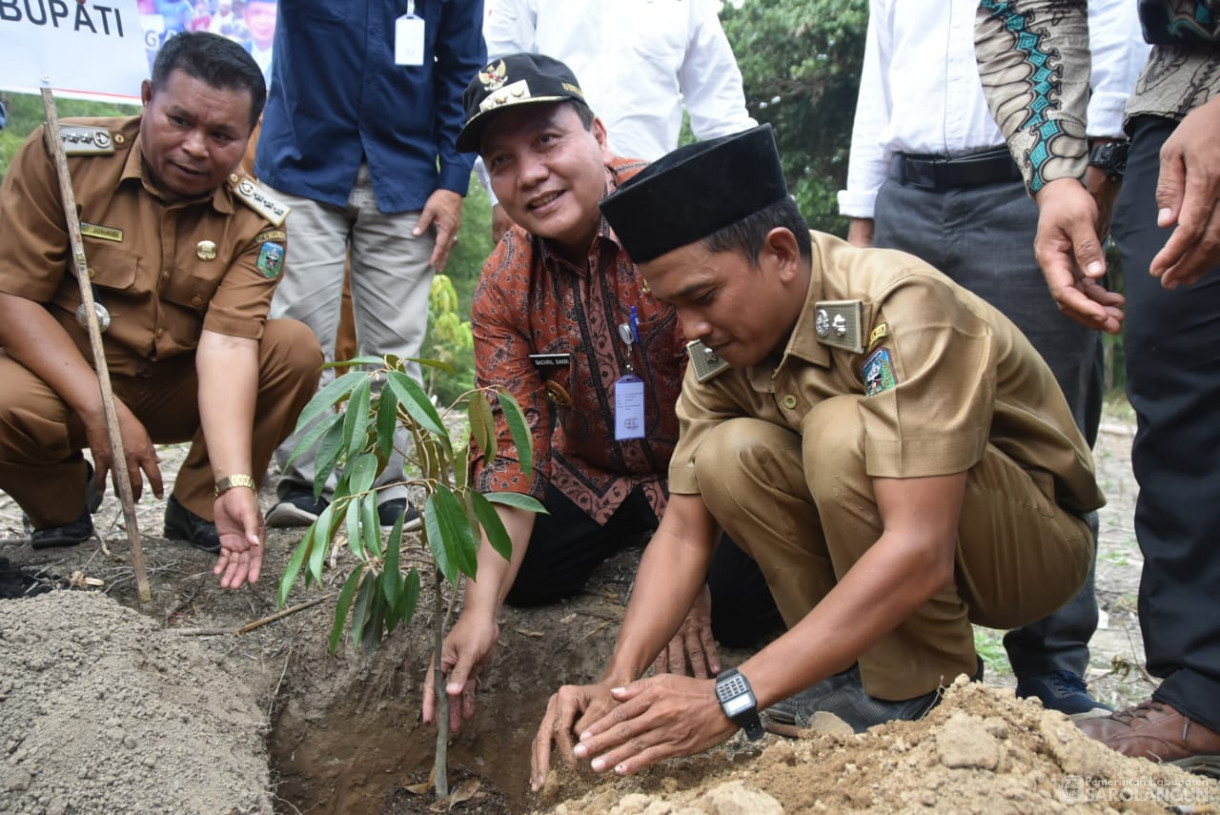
(803, 507)
(41, 466)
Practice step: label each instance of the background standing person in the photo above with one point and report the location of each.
(1167, 227)
(362, 145)
(260, 17)
(930, 174)
(640, 62)
(184, 255)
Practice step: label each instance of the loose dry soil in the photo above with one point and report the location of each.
(109, 705)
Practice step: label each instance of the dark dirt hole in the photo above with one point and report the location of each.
(347, 735)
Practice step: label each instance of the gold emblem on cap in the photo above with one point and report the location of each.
(494, 76)
(206, 250)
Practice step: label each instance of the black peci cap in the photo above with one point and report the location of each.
(694, 191)
(517, 79)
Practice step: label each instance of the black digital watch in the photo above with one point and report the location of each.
(737, 700)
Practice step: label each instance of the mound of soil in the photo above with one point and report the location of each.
(102, 710)
(981, 750)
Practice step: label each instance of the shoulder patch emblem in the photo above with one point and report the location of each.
(257, 199)
(878, 373)
(271, 259)
(82, 140)
(838, 323)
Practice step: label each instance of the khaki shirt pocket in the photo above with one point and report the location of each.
(192, 286)
(111, 269)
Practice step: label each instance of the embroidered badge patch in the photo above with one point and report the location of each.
(878, 373)
(493, 77)
(271, 259)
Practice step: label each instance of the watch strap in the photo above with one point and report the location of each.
(731, 687)
(238, 480)
(1111, 158)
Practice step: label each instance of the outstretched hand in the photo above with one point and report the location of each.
(1070, 253)
(239, 522)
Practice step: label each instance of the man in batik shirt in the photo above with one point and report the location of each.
(562, 321)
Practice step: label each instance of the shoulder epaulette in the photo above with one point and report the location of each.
(839, 324)
(257, 199)
(83, 140)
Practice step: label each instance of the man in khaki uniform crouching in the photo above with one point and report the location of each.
(888, 447)
(183, 256)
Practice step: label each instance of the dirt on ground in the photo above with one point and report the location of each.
(200, 701)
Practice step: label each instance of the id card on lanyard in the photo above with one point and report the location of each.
(409, 38)
(629, 389)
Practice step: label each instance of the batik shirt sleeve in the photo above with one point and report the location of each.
(1034, 62)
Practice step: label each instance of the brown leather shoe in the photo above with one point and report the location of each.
(1156, 731)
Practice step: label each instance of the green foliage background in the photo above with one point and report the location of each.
(25, 113)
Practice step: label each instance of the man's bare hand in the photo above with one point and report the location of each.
(588, 702)
(239, 522)
(1071, 256)
(443, 211)
(860, 232)
(693, 644)
(658, 718)
(137, 446)
(1187, 194)
(466, 651)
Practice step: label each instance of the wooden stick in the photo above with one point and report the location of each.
(119, 467)
(248, 627)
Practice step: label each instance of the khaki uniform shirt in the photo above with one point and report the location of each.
(942, 375)
(164, 271)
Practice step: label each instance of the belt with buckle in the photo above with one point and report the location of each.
(936, 174)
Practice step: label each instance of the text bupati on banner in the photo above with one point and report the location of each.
(90, 49)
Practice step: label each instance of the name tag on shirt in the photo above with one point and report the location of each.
(629, 408)
(546, 362)
(409, 40)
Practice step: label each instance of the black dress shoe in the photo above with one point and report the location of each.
(183, 525)
(71, 534)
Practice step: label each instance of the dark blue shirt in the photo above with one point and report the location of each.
(337, 97)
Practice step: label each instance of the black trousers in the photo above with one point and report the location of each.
(567, 545)
(983, 238)
(1172, 343)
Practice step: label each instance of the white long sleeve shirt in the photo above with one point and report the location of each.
(920, 91)
(637, 62)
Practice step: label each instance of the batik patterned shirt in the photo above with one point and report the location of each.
(531, 301)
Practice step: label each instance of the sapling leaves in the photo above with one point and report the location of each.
(519, 429)
(449, 535)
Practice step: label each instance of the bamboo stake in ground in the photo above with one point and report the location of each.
(121, 476)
